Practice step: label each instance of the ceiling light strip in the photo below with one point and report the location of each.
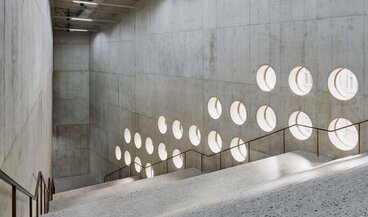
(103, 4)
(90, 9)
(76, 30)
(85, 19)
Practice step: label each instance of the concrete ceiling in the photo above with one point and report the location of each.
(99, 13)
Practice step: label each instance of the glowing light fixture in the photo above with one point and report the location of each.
(266, 118)
(81, 19)
(177, 129)
(117, 152)
(194, 135)
(300, 132)
(162, 125)
(162, 151)
(127, 158)
(137, 140)
(149, 145)
(214, 142)
(238, 151)
(346, 138)
(214, 108)
(149, 171)
(343, 84)
(138, 164)
(127, 135)
(86, 3)
(238, 113)
(177, 159)
(300, 81)
(78, 30)
(266, 78)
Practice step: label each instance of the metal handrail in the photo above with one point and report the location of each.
(248, 143)
(43, 193)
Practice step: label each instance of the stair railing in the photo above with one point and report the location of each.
(109, 176)
(43, 194)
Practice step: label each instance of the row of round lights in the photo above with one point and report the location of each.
(342, 83)
(345, 139)
(162, 152)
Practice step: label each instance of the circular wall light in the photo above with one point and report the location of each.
(162, 125)
(137, 140)
(266, 78)
(127, 136)
(178, 160)
(149, 171)
(149, 145)
(239, 150)
(118, 153)
(214, 108)
(194, 135)
(345, 139)
(343, 84)
(162, 151)
(266, 118)
(300, 132)
(127, 158)
(177, 129)
(238, 113)
(214, 141)
(300, 81)
(138, 164)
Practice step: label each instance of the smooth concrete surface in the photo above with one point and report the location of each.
(73, 182)
(91, 187)
(169, 57)
(339, 189)
(69, 200)
(71, 105)
(26, 66)
(203, 190)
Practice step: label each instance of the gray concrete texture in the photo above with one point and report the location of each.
(71, 105)
(169, 57)
(198, 192)
(25, 96)
(70, 200)
(74, 182)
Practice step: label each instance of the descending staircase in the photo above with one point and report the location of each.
(188, 192)
(116, 188)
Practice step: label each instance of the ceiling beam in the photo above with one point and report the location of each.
(105, 4)
(90, 9)
(93, 20)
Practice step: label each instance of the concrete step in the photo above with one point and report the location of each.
(79, 191)
(118, 187)
(74, 182)
(197, 191)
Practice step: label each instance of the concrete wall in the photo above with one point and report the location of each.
(169, 57)
(71, 105)
(25, 96)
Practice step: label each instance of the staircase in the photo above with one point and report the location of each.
(284, 185)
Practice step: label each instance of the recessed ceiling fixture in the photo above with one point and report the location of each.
(81, 19)
(78, 30)
(84, 2)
